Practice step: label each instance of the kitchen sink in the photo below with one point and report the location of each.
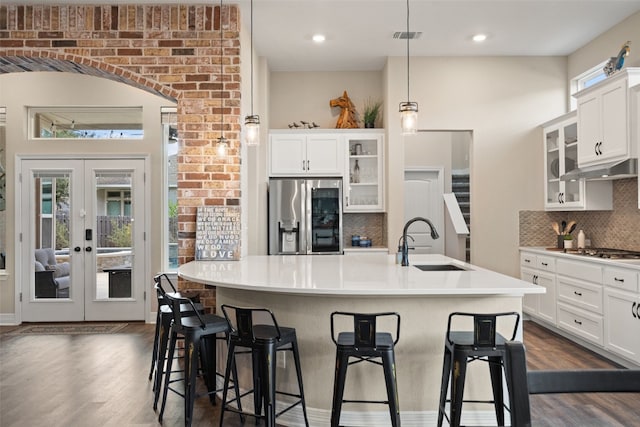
(440, 267)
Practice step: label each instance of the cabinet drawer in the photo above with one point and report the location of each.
(545, 263)
(527, 260)
(580, 294)
(586, 325)
(580, 270)
(539, 262)
(621, 278)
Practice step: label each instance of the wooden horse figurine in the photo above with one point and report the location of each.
(347, 119)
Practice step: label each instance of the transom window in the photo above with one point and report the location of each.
(85, 123)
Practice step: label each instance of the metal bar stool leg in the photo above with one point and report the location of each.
(389, 366)
(269, 385)
(495, 369)
(296, 359)
(191, 357)
(154, 353)
(171, 351)
(342, 361)
(446, 373)
(458, 374)
(163, 340)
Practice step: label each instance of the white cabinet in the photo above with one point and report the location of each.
(561, 156)
(539, 270)
(622, 312)
(604, 121)
(364, 172)
(305, 153)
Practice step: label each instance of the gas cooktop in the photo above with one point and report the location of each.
(606, 253)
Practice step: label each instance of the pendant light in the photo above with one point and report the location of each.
(252, 122)
(222, 144)
(408, 109)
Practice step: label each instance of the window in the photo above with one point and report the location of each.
(119, 203)
(170, 135)
(587, 79)
(85, 123)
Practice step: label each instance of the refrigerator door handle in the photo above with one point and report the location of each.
(307, 193)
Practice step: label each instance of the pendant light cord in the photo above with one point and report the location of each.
(408, 37)
(221, 78)
(251, 52)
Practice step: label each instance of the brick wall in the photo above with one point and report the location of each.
(170, 50)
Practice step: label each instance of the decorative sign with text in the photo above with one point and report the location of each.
(218, 233)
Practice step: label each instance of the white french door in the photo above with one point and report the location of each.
(423, 189)
(82, 239)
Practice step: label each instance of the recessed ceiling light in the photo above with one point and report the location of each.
(318, 38)
(479, 38)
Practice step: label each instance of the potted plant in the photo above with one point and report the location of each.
(371, 110)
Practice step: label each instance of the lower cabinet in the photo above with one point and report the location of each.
(622, 332)
(597, 302)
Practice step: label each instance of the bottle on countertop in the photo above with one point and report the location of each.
(581, 239)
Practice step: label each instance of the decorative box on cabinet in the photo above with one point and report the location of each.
(539, 270)
(364, 172)
(622, 312)
(604, 119)
(305, 153)
(560, 139)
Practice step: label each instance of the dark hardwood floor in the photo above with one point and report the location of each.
(101, 380)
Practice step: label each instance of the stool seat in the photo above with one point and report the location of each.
(483, 343)
(383, 341)
(365, 344)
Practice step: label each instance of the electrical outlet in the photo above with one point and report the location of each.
(281, 360)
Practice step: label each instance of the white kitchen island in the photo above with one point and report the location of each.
(303, 291)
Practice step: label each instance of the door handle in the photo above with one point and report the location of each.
(77, 249)
(634, 313)
(88, 249)
(303, 165)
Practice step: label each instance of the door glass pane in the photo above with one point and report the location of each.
(52, 264)
(114, 227)
(325, 219)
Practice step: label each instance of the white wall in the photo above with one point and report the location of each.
(606, 45)
(502, 100)
(19, 90)
(306, 96)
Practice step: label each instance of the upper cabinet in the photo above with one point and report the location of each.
(305, 153)
(604, 119)
(363, 176)
(560, 139)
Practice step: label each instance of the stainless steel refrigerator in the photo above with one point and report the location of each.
(305, 216)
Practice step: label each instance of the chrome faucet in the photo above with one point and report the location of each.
(405, 245)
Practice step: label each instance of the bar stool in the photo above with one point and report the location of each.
(199, 333)
(365, 344)
(163, 325)
(462, 347)
(263, 340)
(164, 309)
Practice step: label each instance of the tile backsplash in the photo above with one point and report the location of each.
(618, 228)
(372, 225)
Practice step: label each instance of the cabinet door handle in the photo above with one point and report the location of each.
(600, 147)
(578, 293)
(618, 280)
(634, 312)
(577, 322)
(347, 199)
(545, 264)
(308, 165)
(303, 165)
(527, 260)
(595, 148)
(559, 200)
(535, 279)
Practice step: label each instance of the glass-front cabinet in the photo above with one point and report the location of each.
(561, 156)
(364, 174)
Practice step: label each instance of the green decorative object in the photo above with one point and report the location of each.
(370, 114)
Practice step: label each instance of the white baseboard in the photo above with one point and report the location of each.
(8, 319)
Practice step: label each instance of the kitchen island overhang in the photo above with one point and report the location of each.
(303, 291)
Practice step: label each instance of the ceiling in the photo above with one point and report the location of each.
(359, 33)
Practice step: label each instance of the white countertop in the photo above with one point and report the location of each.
(366, 274)
(626, 263)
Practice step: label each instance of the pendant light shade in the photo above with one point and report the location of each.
(252, 122)
(408, 109)
(409, 117)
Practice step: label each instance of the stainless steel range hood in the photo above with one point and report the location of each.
(607, 171)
